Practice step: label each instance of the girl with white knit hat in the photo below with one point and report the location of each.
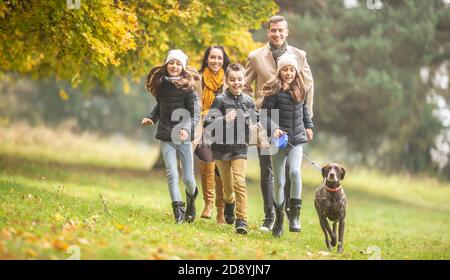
(174, 88)
(286, 93)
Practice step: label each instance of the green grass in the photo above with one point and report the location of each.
(112, 207)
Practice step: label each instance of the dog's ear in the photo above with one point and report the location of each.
(325, 170)
(342, 172)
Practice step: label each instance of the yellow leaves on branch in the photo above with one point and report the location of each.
(103, 39)
(63, 95)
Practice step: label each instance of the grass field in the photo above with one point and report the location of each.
(65, 196)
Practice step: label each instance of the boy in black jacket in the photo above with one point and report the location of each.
(230, 117)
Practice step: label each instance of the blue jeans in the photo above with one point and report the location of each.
(170, 151)
(294, 158)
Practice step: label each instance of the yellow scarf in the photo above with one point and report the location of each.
(212, 83)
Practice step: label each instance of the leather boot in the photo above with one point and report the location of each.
(208, 185)
(178, 211)
(287, 206)
(190, 206)
(294, 217)
(229, 213)
(277, 230)
(220, 204)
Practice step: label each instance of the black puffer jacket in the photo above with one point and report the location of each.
(171, 98)
(223, 103)
(293, 117)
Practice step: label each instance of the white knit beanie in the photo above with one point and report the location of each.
(287, 59)
(178, 55)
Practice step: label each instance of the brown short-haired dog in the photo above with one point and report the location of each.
(330, 203)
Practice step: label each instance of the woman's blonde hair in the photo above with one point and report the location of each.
(296, 88)
(155, 77)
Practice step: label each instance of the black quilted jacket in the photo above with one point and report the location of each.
(240, 135)
(293, 117)
(171, 98)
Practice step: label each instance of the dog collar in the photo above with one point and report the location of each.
(333, 189)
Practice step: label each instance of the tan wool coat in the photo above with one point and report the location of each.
(261, 68)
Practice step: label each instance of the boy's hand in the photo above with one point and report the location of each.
(147, 121)
(278, 132)
(183, 134)
(231, 116)
(309, 134)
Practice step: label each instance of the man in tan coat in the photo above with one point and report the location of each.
(261, 66)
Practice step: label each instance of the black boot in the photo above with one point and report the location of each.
(287, 206)
(277, 230)
(294, 217)
(190, 207)
(229, 213)
(178, 211)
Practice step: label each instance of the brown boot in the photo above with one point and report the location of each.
(207, 178)
(220, 204)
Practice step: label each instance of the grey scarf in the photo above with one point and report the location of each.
(277, 52)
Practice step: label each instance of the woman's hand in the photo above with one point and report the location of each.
(231, 116)
(183, 134)
(278, 132)
(309, 134)
(147, 121)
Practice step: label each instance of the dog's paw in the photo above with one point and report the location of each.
(333, 241)
(340, 249)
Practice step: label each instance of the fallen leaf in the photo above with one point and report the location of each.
(70, 226)
(220, 241)
(6, 234)
(45, 244)
(58, 217)
(31, 253)
(122, 228)
(83, 241)
(30, 238)
(323, 253)
(60, 245)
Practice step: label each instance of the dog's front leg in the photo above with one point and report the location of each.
(334, 236)
(326, 230)
(341, 236)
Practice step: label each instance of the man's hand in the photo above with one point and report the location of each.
(147, 121)
(309, 134)
(231, 116)
(278, 132)
(183, 134)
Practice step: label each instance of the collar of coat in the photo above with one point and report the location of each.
(268, 52)
(234, 97)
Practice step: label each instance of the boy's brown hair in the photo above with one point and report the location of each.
(234, 67)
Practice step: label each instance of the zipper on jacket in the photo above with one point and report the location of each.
(293, 116)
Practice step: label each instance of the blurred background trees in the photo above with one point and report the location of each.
(381, 75)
